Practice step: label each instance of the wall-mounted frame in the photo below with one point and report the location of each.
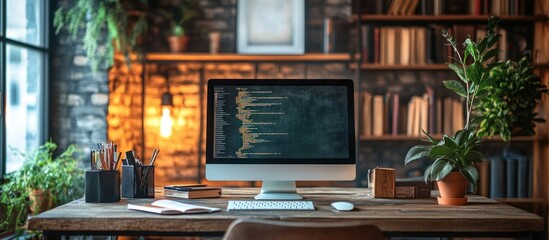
(271, 26)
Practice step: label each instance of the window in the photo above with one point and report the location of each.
(23, 64)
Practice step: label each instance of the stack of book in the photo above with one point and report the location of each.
(191, 191)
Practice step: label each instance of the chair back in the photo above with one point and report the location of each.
(254, 229)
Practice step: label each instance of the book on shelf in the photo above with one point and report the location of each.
(401, 7)
(390, 114)
(192, 192)
(511, 180)
(438, 7)
(169, 207)
(377, 126)
(502, 45)
(456, 6)
(335, 35)
(497, 177)
(484, 178)
(366, 114)
(523, 177)
(509, 175)
(395, 113)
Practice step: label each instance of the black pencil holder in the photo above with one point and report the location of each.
(137, 181)
(102, 186)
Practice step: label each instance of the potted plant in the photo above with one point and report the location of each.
(178, 19)
(454, 157)
(509, 109)
(43, 181)
(110, 26)
(500, 99)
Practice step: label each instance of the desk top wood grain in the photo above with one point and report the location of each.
(480, 215)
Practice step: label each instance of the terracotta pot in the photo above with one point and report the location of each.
(40, 201)
(178, 43)
(452, 189)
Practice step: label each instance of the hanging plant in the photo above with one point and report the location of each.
(109, 26)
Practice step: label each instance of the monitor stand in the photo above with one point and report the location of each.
(278, 190)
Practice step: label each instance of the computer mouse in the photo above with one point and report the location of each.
(343, 206)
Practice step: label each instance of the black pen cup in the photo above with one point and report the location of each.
(137, 181)
(102, 186)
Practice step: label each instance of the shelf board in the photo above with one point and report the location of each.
(233, 57)
(394, 138)
(402, 137)
(520, 200)
(442, 18)
(377, 66)
(418, 67)
(541, 66)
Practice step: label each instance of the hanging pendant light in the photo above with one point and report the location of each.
(166, 121)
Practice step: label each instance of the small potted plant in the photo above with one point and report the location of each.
(178, 19)
(454, 157)
(43, 181)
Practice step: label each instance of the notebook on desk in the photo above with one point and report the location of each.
(170, 207)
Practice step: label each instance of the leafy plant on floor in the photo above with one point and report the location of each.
(59, 176)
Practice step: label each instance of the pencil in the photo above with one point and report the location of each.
(154, 157)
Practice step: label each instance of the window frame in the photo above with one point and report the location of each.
(44, 51)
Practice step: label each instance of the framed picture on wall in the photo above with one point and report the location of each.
(271, 26)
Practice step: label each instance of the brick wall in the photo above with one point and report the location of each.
(78, 97)
(92, 107)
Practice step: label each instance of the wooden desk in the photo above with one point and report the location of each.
(395, 217)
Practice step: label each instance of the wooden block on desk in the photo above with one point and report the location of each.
(406, 192)
(382, 182)
(423, 188)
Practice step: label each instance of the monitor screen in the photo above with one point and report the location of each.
(280, 122)
(280, 131)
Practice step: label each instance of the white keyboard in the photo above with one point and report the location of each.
(238, 205)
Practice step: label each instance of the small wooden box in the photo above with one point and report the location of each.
(382, 182)
(406, 192)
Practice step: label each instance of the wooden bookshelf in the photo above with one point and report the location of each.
(537, 29)
(455, 18)
(233, 57)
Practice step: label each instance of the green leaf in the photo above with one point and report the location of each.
(449, 142)
(439, 150)
(416, 152)
(474, 156)
(440, 169)
(470, 49)
(456, 87)
(427, 173)
(458, 70)
(429, 137)
(490, 54)
(470, 173)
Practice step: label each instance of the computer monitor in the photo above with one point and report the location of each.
(280, 131)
